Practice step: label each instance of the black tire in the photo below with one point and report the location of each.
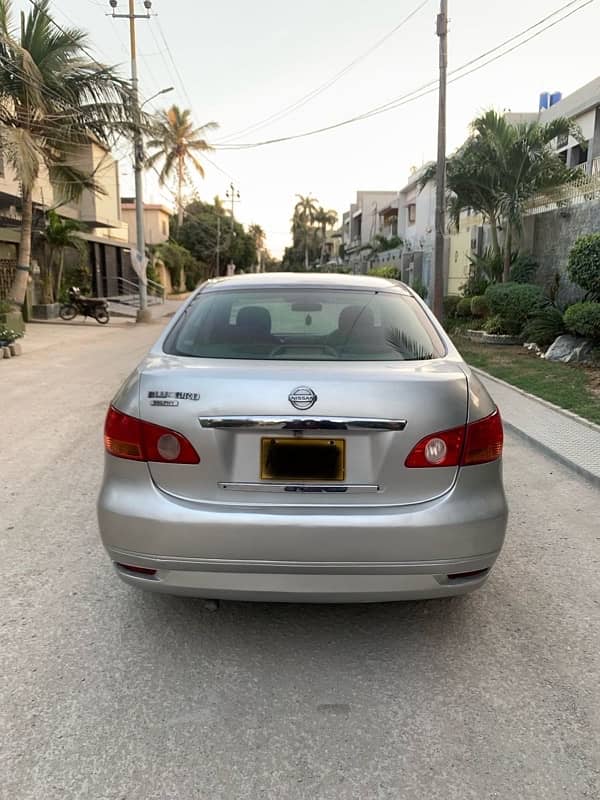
(67, 312)
(102, 316)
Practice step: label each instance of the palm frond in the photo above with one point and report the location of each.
(405, 344)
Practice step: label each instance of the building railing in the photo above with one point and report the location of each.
(596, 167)
(127, 292)
(582, 190)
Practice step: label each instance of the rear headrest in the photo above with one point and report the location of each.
(254, 319)
(355, 318)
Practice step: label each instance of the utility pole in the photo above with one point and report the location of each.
(234, 196)
(440, 199)
(143, 314)
(218, 243)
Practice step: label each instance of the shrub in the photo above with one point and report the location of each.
(498, 325)
(544, 327)
(480, 307)
(420, 288)
(584, 265)
(483, 271)
(524, 269)
(451, 302)
(5, 307)
(386, 271)
(514, 302)
(79, 275)
(584, 320)
(463, 309)
(8, 335)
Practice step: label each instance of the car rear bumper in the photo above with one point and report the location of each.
(303, 553)
(332, 583)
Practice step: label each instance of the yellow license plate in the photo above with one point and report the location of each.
(302, 460)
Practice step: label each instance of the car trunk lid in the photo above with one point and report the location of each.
(235, 412)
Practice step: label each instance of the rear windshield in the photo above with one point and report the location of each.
(307, 325)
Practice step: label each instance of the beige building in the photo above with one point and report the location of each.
(156, 221)
(465, 243)
(107, 252)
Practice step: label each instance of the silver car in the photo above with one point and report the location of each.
(298, 437)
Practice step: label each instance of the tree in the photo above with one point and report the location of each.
(381, 244)
(176, 141)
(59, 235)
(53, 101)
(305, 212)
(180, 262)
(326, 219)
(259, 236)
(199, 234)
(500, 168)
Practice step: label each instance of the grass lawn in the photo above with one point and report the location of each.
(575, 388)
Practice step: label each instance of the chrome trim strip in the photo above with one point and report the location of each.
(301, 488)
(303, 423)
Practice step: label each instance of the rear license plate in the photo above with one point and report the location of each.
(303, 459)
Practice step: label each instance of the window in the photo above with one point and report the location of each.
(412, 213)
(579, 155)
(165, 229)
(306, 325)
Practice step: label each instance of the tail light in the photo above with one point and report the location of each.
(477, 443)
(135, 439)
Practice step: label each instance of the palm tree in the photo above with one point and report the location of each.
(259, 237)
(60, 235)
(326, 219)
(305, 212)
(54, 100)
(502, 166)
(524, 165)
(176, 141)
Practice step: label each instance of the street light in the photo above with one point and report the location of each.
(158, 94)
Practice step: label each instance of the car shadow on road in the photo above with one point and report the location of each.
(271, 630)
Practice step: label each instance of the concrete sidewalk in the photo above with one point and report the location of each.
(563, 435)
(56, 334)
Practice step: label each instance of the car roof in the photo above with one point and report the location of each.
(318, 280)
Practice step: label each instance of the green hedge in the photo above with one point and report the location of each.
(389, 272)
(480, 307)
(514, 302)
(450, 305)
(463, 309)
(583, 319)
(584, 264)
(500, 326)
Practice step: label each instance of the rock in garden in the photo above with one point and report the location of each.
(15, 349)
(5, 352)
(569, 350)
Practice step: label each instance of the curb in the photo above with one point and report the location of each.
(582, 471)
(568, 414)
(548, 451)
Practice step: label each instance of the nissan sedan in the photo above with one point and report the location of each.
(299, 437)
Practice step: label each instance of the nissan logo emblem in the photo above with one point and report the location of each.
(302, 398)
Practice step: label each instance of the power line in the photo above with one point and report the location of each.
(327, 84)
(427, 88)
(185, 92)
(173, 62)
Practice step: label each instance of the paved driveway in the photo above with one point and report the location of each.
(110, 694)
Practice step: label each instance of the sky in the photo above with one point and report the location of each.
(238, 63)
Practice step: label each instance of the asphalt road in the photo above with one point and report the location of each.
(111, 694)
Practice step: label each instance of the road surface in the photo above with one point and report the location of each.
(111, 694)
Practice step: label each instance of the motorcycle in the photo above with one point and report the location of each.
(86, 306)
